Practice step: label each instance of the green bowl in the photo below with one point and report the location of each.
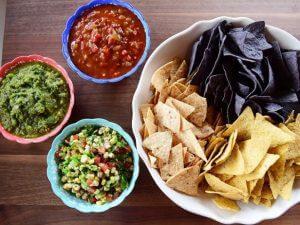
(52, 169)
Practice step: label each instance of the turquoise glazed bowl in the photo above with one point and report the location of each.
(52, 169)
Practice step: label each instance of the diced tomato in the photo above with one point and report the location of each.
(111, 165)
(103, 160)
(57, 155)
(109, 197)
(97, 160)
(92, 190)
(116, 74)
(89, 182)
(75, 137)
(105, 49)
(128, 58)
(127, 148)
(104, 167)
(94, 48)
(94, 200)
(127, 165)
(96, 37)
(116, 195)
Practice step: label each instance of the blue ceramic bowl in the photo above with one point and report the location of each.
(52, 169)
(78, 13)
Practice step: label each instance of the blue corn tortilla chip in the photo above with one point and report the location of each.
(236, 67)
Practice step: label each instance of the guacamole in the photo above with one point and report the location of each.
(34, 98)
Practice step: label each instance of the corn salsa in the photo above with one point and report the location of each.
(95, 164)
(107, 41)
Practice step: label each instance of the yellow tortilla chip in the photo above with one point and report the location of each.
(180, 73)
(266, 192)
(224, 177)
(262, 167)
(154, 98)
(256, 199)
(161, 128)
(280, 184)
(228, 195)
(164, 93)
(297, 161)
(258, 188)
(169, 102)
(186, 181)
(265, 202)
(286, 191)
(160, 144)
(293, 151)
(227, 204)
(174, 91)
(219, 148)
(278, 168)
(234, 165)
(185, 125)
(163, 73)
(273, 185)
(150, 127)
(227, 151)
(202, 143)
(144, 110)
(189, 140)
(262, 127)
(153, 161)
(150, 116)
(251, 185)
(182, 87)
(217, 185)
(187, 156)
(167, 116)
(175, 163)
(189, 90)
(253, 151)
(240, 183)
(204, 131)
(200, 104)
(211, 145)
(243, 125)
(184, 109)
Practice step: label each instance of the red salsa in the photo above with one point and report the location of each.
(107, 41)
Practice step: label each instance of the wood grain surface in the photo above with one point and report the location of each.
(35, 26)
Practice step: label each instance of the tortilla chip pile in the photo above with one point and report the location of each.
(259, 162)
(249, 160)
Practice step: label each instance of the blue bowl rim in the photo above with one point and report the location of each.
(77, 203)
(78, 12)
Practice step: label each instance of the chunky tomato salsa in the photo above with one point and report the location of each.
(107, 41)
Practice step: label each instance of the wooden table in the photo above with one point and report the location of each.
(35, 26)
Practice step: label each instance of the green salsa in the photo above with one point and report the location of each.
(34, 99)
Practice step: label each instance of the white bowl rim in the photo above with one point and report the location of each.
(135, 114)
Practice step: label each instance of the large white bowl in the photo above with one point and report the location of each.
(180, 45)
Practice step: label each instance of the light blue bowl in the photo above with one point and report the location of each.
(52, 169)
(78, 13)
